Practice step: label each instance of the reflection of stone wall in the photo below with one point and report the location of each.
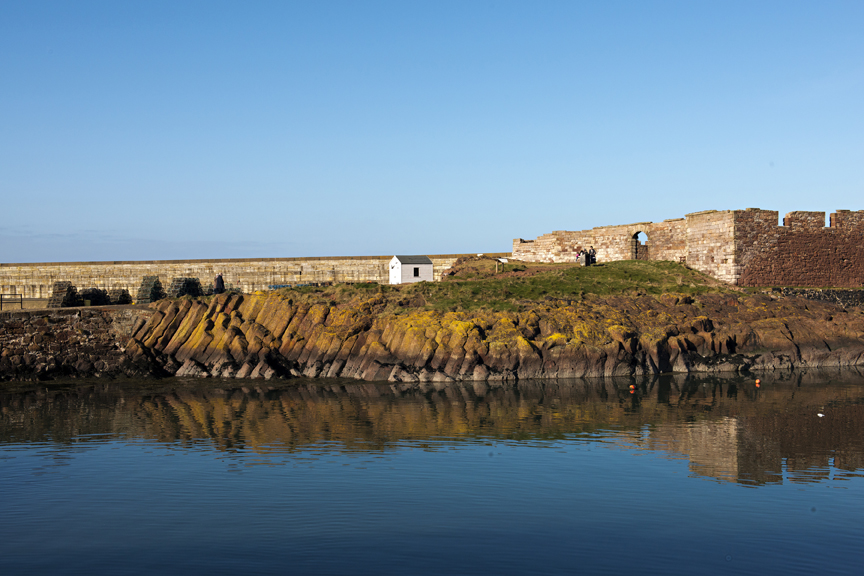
(726, 428)
(711, 446)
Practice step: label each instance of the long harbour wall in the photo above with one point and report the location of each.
(34, 280)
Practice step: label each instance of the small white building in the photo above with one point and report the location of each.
(407, 269)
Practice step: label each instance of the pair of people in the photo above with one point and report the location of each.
(590, 256)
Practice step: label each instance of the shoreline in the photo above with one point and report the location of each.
(268, 335)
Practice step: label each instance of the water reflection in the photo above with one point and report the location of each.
(803, 427)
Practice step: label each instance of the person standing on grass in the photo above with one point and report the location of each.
(592, 255)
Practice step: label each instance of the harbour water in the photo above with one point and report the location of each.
(673, 475)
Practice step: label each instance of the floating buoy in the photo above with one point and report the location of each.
(632, 387)
(758, 382)
(820, 415)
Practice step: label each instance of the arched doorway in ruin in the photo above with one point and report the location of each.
(639, 246)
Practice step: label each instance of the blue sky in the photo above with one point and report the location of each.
(172, 130)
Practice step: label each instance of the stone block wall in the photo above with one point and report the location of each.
(802, 252)
(745, 247)
(665, 240)
(558, 246)
(710, 244)
(248, 275)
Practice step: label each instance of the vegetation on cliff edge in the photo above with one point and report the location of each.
(475, 284)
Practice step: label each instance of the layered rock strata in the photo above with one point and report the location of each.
(269, 335)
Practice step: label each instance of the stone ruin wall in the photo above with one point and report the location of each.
(710, 244)
(702, 240)
(745, 247)
(249, 275)
(801, 252)
(610, 242)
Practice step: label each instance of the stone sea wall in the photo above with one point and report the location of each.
(246, 274)
(270, 335)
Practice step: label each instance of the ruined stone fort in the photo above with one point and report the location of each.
(743, 247)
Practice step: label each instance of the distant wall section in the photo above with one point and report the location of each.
(249, 275)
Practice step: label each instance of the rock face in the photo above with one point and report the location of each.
(268, 335)
(41, 345)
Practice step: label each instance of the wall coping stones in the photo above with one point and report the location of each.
(233, 260)
(711, 212)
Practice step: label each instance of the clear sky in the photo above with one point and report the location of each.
(171, 130)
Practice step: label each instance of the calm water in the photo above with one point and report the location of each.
(682, 476)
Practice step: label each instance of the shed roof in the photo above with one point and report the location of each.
(414, 259)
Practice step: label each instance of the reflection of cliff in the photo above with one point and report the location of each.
(726, 428)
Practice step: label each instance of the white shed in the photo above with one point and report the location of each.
(407, 269)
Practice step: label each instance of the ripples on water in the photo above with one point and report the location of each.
(680, 476)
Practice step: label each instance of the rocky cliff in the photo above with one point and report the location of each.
(378, 337)
(60, 342)
(270, 335)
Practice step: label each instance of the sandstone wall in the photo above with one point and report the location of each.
(801, 252)
(711, 244)
(665, 241)
(745, 247)
(35, 280)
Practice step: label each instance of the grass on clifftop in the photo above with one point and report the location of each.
(511, 290)
(476, 285)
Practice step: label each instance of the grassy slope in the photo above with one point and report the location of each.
(476, 285)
